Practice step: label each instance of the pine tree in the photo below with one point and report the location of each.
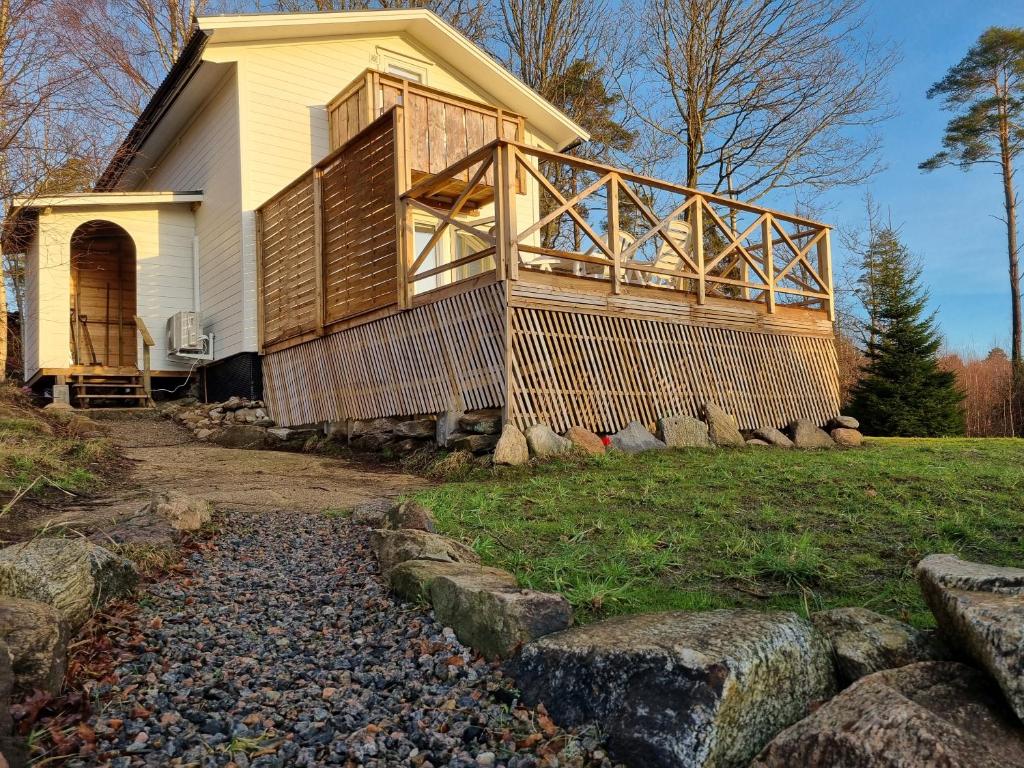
(903, 391)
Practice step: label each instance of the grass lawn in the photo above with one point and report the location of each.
(696, 530)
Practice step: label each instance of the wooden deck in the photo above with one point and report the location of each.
(628, 298)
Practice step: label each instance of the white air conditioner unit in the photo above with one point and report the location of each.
(183, 334)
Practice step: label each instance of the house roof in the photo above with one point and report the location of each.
(423, 25)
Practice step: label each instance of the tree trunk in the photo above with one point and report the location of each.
(3, 326)
(1010, 204)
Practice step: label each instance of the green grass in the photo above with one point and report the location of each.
(768, 528)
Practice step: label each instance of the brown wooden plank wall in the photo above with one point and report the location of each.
(602, 371)
(360, 235)
(289, 263)
(415, 362)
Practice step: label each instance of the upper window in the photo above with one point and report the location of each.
(401, 65)
(405, 72)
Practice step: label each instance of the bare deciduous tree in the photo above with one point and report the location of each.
(750, 96)
(468, 16)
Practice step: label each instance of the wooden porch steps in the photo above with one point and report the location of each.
(106, 390)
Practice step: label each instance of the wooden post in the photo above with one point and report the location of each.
(260, 294)
(698, 247)
(769, 259)
(147, 342)
(505, 210)
(403, 211)
(318, 248)
(825, 270)
(614, 242)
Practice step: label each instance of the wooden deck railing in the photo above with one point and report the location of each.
(629, 231)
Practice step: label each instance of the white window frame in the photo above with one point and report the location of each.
(386, 59)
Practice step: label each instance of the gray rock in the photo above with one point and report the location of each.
(865, 642)
(773, 436)
(361, 427)
(684, 432)
(919, 716)
(634, 438)
(847, 438)
(544, 443)
(585, 440)
(486, 422)
(843, 422)
(394, 547)
(806, 434)
(980, 610)
(447, 426)
(681, 689)
(416, 428)
(410, 515)
(474, 443)
(184, 513)
(74, 576)
(37, 642)
(491, 616)
(240, 436)
(758, 443)
(413, 579)
(512, 448)
(13, 750)
(372, 513)
(722, 427)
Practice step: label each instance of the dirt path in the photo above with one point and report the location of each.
(166, 458)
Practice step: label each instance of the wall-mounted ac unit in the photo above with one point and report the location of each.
(183, 334)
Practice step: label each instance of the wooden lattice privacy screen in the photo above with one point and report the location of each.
(328, 242)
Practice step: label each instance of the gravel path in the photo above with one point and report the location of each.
(281, 646)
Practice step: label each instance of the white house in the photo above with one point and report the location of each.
(170, 226)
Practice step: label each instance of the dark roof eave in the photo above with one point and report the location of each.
(177, 78)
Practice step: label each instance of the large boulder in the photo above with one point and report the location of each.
(240, 436)
(372, 513)
(722, 427)
(847, 438)
(919, 716)
(412, 515)
(74, 576)
(473, 443)
(585, 441)
(806, 434)
(980, 610)
(683, 432)
(493, 617)
(416, 428)
(413, 579)
(773, 436)
(13, 750)
(486, 422)
(634, 438)
(394, 547)
(37, 642)
(681, 689)
(545, 443)
(843, 422)
(184, 513)
(512, 448)
(865, 642)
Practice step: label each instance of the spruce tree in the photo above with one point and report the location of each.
(903, 391)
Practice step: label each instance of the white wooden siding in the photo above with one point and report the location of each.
(30, 322)
(206, 156)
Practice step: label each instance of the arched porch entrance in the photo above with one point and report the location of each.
(103, 307)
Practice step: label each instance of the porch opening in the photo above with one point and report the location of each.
(103, 296)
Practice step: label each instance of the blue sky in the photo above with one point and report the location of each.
(946, 215)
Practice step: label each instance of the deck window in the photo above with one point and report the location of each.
(423, 233)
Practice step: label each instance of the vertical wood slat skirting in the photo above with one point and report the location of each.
(602, 372)
(415, 362)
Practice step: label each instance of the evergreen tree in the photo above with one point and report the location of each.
(903, 391)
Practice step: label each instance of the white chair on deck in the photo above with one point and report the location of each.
(678, 231)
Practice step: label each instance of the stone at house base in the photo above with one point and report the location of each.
(919, 716)
(980, 611)
(511, 448)
(842, 422)
(372, 513)
(184, 513)
(545, 443)
(486, 422)
(62, 394)
(806, 434)
(446, 427)
(634, 438)
(681, 689)
(722, 427)
(411, 515)
(413, 579)
(847, 438)
(865, 642)
(74, 576)
(758, 443)
(492, 617)
(394, 547)
(772, 436)
(585, 440)
(37, 643)
(240, 436)
(683, 432)
(474, 443)
(416, 428)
